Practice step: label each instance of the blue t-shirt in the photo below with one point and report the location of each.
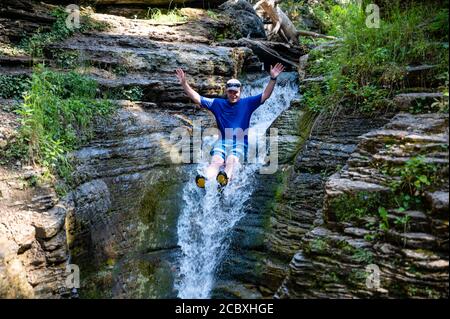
(232, 115)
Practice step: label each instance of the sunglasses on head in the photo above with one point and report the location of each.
(233, 85)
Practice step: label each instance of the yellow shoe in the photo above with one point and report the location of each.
(222, 179)
(200, 181)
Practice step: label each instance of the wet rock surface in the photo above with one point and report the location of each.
(121, 216)
(33, 250)
(23, 17)
(129, 194)
(287, 205)
(118, 224)
(411, 258)
(249, 24)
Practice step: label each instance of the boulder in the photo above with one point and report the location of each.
(248, 22)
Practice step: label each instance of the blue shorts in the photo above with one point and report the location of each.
(224, 148)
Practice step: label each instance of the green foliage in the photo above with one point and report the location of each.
(357, 276)
(132, 93)
(384, 222)
(66, 59)
(87, 23)
(165, 16)
(426, 106)
(368, 66)
(35, 44)
(361, 255)
(370, 237)
(120, 70)
(414, 178)
(10, 50)
(408, 185)
(403, 223)
(212, 14)
(352, 206)
(317, 246)
(297, 10)
(329, 16)
(443, 104)
(330, 277)
(330, 247)
(315, 99)
(230, 31)
(13, 86)
(57, 116)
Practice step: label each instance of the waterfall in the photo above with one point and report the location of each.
(207, 218)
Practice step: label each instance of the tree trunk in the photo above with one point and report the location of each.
(281, 23)
(279, 19)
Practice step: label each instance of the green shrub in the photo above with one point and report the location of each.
(13, 86)
(66, 59)
(384, 221)
(165, 16)
(368, 66)
(212, 14)
(315, 246)
(35, 44)
(414, 178)
(408, 184)
(57, 116)
(352, 206)
(362, 255)
(132, 93)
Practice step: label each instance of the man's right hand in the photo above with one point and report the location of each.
(189, 91)
(181, 76)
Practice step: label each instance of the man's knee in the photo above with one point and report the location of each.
(217, 160)
(232, 160)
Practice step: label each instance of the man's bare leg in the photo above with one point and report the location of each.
(213, 169)
(232, 164)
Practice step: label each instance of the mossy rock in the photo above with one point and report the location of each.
(353, 207)
(158, 212)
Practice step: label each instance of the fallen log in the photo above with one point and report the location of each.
(270, 52)
(315, 35)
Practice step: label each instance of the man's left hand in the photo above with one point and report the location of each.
(276, 70)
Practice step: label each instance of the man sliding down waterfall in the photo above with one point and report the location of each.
(232, 115)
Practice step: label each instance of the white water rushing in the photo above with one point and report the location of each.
(207, 219)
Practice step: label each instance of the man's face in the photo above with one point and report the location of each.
(233, 96)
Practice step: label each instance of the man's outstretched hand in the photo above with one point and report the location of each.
(181, 76)
(189, 91)
(276, 70)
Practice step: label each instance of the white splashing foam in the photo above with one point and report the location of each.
(207, 218)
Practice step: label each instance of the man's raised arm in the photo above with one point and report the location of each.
(274, 72)
(189, 91)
